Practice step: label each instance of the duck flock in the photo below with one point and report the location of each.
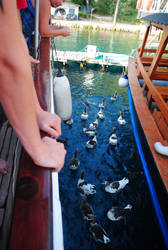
(85, 188)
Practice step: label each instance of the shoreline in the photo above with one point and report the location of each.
(101, 25)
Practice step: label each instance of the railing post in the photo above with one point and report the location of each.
(36, 29)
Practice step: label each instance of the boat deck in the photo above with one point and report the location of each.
(10, 151)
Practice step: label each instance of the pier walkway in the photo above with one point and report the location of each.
(91, 57)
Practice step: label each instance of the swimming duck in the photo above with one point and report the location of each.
(102, 105)
(92, 142)
(86, 209)
(65, 142)
(114, 96)
(85, 187)
(94, 125)
(98, 233)
(69, 122)
(74, 162)
(113, 138)
(86, 103)
(121, 120)
(115, 186)
(89, 132)
(84, 115)
(101, 114)
(118, 213)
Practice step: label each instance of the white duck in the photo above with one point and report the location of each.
(114, 96)
(86, 209)
(69, 122)
(85, 187)
(118, 213)
(89, 132)
(98, 233)
(84, 115)
(121, 120)
(102, 105)
(92, 142)
(101, 114)
(115, 186)
(94, 125)
(113, 138)
(74, 162)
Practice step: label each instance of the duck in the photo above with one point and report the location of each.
(86, 209)
(65, 142)
(101, 114)
(98, 233)
(86, 103)
(115, 186)
(92, 142)
(102, 105)
(118, 213)
(94, 125)
(113, 138)
(85, 187)
(69, 122)
(74, 162)
(114, 96)
(121, 120)
(89, 132)
(84, 115)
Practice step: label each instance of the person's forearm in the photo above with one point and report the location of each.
(16, 93)
(53, 31)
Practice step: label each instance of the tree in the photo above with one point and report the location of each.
(116, 12)
(87, 9)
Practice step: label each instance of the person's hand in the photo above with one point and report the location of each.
(65, 31)
(49, 123)
(33, 60)
(51, 154)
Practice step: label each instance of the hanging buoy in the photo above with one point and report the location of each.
(161, 149)
(63, 100)
(123, 81)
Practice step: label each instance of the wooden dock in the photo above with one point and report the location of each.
(84, 58)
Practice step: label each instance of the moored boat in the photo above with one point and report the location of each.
(148, 96)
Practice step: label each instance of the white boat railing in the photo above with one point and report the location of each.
(58, 243)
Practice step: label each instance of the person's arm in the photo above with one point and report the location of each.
(17, 92)
(47, 30)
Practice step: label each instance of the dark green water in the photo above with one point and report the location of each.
(140, 230)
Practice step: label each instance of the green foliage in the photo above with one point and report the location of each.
(127, 10)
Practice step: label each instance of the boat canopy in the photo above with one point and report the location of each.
(159, 18)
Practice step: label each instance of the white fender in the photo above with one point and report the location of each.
(63, 100)
(161, 149)
(123, 81)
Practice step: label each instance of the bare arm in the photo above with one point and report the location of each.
(47, 30)
(17, 92)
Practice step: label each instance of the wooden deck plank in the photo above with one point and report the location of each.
(147, 122)
(6, 178)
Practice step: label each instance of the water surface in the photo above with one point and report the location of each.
(140, 229)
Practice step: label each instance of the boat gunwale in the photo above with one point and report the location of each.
(148, 124)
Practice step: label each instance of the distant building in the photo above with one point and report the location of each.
(146, 7)
(67, 10)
